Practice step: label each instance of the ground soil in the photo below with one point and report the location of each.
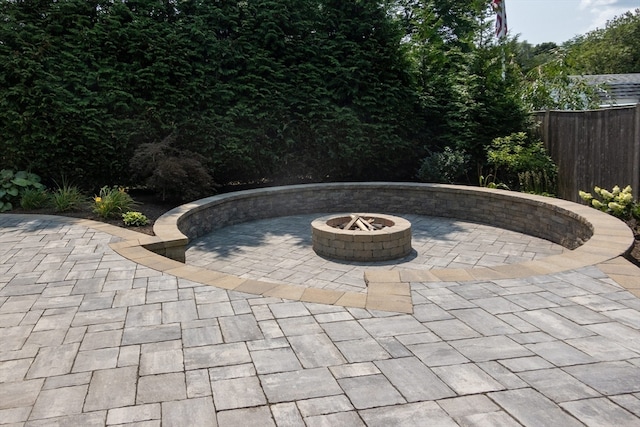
(153, 208)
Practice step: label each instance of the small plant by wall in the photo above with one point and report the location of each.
(112, 202)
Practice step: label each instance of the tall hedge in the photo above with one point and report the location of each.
(262, 89)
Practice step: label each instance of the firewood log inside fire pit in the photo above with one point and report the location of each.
(361, 223)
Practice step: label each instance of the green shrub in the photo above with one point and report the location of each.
(617, 202)
(34, 198)
(14, 184)
(448, 166)
(112, 202)
(134, 219)
(67, 198)
(517, 154)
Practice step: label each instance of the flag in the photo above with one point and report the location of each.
(501, 18)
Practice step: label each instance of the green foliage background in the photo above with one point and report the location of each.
(282, 90)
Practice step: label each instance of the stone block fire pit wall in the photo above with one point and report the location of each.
(562, 222)
(391, 241)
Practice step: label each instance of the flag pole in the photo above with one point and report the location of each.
(499, 8)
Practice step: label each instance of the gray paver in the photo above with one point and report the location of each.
(362, 350)
(338, 419)
(111, 388)
(299, 385)
(629, 402)
(162, 387)
(463, 406)
(414, 380)
(554, 324)
(90, 419)
(275, 360)
(91, 340)
(316, 350)
(452, 329)
(560, 353)
(608, 378)
(147, 334)
(195, 337)
(216, 355)
(437, 354)
(490, 419)
(482, 322)
(324, 405)
(392, 326)
(134, 414)
(287, 415)
(19, 394)
(14, 370)
(237, 393)
(467, 379)
(558, 385)
(198, 412)
(59, 402)
(162, 357)
(240, 328)
(342, 331)
(370, 391)
(533, 409)
(600, 412)
(92, 360)
(409, 415)
(490, 348)
(260, 416)
(52, 361)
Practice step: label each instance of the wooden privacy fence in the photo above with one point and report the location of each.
(595, 147)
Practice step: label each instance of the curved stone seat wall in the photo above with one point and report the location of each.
(565, 223)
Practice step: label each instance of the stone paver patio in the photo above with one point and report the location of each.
(88, 337)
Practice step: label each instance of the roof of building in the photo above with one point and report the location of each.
(619, 89)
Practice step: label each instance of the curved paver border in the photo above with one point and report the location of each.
(593, 236)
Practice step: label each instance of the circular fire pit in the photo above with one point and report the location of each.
(362, 237)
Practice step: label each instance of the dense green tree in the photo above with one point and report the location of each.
(529, 56)
(552, 86)
(614, 49)
(262, 89)
(466, 85)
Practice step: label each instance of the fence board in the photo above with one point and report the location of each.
(595, 147)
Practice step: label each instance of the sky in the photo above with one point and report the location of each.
(539, 21)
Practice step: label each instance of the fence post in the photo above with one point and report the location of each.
(636, 153)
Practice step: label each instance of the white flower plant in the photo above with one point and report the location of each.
(617, 202)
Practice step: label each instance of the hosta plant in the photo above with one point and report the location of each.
(14, 184)
(134, 219)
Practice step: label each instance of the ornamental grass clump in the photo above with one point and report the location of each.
(112, 202)
(34, 198)
(67, 198)
(617, 202)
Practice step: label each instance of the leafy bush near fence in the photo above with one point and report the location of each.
(617, 202)
(521, 163)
